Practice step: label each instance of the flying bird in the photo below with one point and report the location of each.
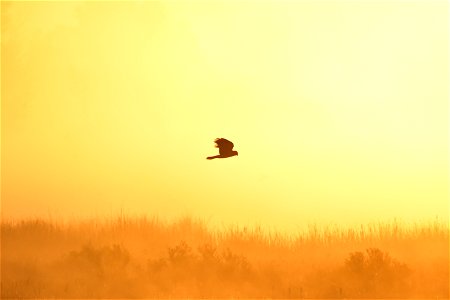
(225, 149)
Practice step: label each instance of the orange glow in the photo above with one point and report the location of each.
(339, 110)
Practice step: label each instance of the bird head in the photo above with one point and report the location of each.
(235, 153)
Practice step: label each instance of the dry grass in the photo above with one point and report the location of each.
(130, 257)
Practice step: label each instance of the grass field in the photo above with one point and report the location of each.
(131, 257)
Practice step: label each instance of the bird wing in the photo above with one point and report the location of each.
(224, 145)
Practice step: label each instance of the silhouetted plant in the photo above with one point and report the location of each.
(207, 252)
(375, 274)
(180, 254)
(96, 272)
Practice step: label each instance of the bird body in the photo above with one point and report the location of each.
(225, 149)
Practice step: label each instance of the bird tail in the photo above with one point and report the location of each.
(212, 157)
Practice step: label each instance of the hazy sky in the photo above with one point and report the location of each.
(339, 110)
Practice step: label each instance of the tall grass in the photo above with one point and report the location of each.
(131, 257)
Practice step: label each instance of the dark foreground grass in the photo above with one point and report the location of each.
(129, 257)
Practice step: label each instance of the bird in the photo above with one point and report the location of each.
(225, 149)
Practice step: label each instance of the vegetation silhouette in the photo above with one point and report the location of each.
(225, 149)
(149, 258)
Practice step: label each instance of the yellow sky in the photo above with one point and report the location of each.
(339, 110)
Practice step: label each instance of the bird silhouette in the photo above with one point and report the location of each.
(225, 149)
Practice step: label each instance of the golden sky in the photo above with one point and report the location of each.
(339, 110)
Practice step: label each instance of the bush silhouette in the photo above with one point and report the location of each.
(374, 274)
(96, 272)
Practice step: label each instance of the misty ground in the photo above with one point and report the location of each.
(130, 257)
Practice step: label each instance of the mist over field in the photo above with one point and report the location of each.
(337, 112)
(128, 257)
